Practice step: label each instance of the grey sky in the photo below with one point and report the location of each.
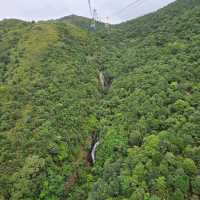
(51, 9)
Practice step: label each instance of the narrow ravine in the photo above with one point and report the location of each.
(88, 157)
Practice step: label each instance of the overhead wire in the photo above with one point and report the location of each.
(135, 7)
(136, 3)
(90, 8)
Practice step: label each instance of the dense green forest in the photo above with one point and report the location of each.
(145, 114)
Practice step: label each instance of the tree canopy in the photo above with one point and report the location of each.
(146, 119)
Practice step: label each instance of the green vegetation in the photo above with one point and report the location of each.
(147, 118)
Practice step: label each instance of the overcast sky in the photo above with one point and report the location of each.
(51, 9)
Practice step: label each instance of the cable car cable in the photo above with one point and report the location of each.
(127, 6)
(90, 7)
(136, 6)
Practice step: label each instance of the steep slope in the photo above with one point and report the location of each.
(145, 118)
(154, 22)
(48, 95)
(150, 137)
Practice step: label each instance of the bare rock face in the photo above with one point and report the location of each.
(102, 80)
(93, 153)
(105, 80)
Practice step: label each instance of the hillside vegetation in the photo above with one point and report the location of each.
(146, 117)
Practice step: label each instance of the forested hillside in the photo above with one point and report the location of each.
(134, 89)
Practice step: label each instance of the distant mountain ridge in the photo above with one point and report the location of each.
(82, 22)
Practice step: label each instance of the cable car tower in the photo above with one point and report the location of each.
(94, 19)
(94, 16)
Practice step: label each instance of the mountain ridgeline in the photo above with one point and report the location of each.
(127, 97)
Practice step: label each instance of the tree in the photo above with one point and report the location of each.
(181, 182)
(177, 195)
(196, 185)
(25, 182)
(161, 187)
(189, 166)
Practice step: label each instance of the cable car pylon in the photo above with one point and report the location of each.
(94, 19)
(94, 16)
